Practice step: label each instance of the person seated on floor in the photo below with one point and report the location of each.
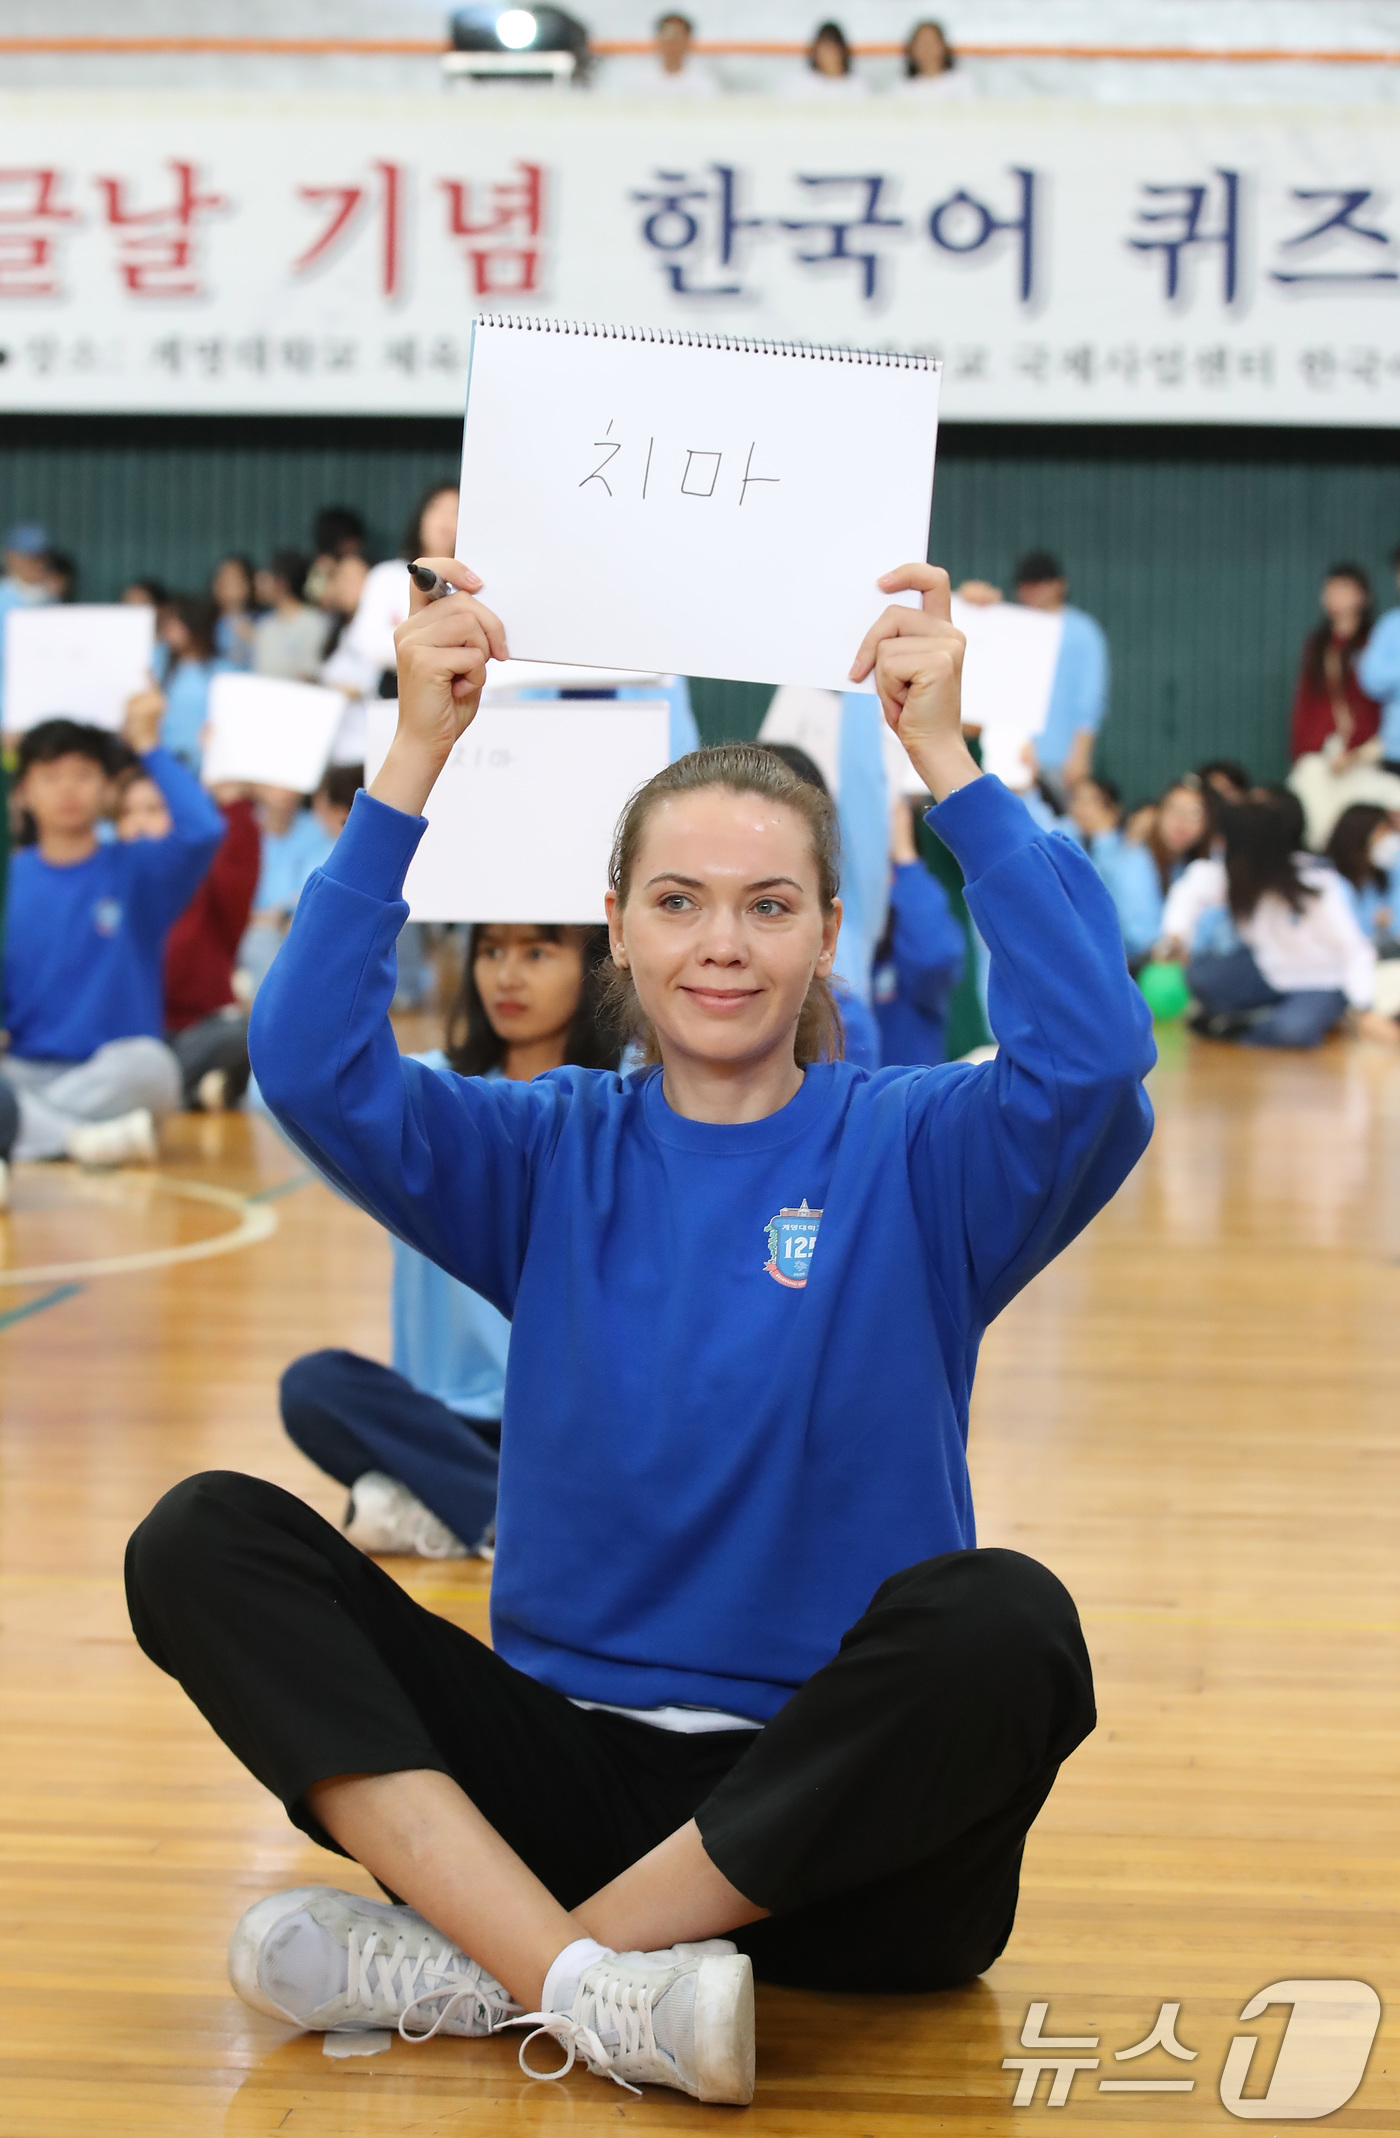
(206, 1028)
(1364, 849)
(1177, 829)
(751, 1682)
(919, 959)
(85, 929)
(298, 832)
(1298, 961)
(418, 1444)
(1128, 870)
(1225, 778)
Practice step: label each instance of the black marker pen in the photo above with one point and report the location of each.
(427, 582)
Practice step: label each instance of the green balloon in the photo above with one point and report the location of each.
(1165, 990)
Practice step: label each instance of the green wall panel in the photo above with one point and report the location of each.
(1198, 548)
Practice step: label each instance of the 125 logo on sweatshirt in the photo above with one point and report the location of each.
(792, 1235)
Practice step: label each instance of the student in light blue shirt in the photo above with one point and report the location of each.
(1127, 869)
(418, 1444)
(1364, 849)
(184, 666)
(1064, 748)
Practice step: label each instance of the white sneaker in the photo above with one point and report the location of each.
(681, 2018)
(384, 1516)
(336, 1964)
(129, 1140)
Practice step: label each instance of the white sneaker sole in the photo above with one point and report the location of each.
(251, 1933)
(724, 2030)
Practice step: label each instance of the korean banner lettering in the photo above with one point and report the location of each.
(1067, 264)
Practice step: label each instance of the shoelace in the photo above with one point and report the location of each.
(609, 2009)
(417, 1978)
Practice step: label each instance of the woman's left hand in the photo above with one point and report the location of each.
(916, 656)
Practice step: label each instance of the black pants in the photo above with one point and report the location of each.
(880, 1815)
(350, 1414)
(219, 1041)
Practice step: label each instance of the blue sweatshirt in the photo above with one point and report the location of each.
(914, 984)
(1378, 672)
(83, 943)
(741, 1355)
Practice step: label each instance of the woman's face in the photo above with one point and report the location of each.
(928, 51)
(1342, 604)
(828, 57)
(143, 814)
(230, 587)
(175, 634)
(723, 927)
(529, 986)
(1181, 820)
(437, 530)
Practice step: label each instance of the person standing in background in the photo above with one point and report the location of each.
(185, 663)
(1378, 672)
(1063, 753)
(674, 72)
(289, 640)
(1331, 711)
(231, 591)
(362, 664)
(931, 70)
(830, 69)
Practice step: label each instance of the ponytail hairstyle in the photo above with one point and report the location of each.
(733, 768)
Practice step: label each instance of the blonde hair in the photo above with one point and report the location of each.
(738, 768)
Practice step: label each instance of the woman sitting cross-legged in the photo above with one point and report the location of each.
(418, 1443)
(753, 1685)
(1293, 960)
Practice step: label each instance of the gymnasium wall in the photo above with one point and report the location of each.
(1198, 548)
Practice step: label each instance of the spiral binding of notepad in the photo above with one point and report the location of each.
(741, 344)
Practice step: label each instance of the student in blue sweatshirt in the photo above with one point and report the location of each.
(752, 1682)
(418, 1442)
(85, 928)
(921, 956)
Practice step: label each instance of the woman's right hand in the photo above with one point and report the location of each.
(442, 650)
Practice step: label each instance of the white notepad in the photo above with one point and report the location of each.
(79, 659)
(691, 504)
(521, 821)
(268, 732)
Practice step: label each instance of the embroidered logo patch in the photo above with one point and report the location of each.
(792, 1235)
(107, 915)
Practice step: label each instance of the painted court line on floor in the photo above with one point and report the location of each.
(37, 1306)
(254, 1224)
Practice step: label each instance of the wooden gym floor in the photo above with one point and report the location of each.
(1192, 1417)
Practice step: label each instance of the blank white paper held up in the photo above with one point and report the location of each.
(692, 505)
(82, 659)
(521, 821)
(270, 733)
(1008, 675)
